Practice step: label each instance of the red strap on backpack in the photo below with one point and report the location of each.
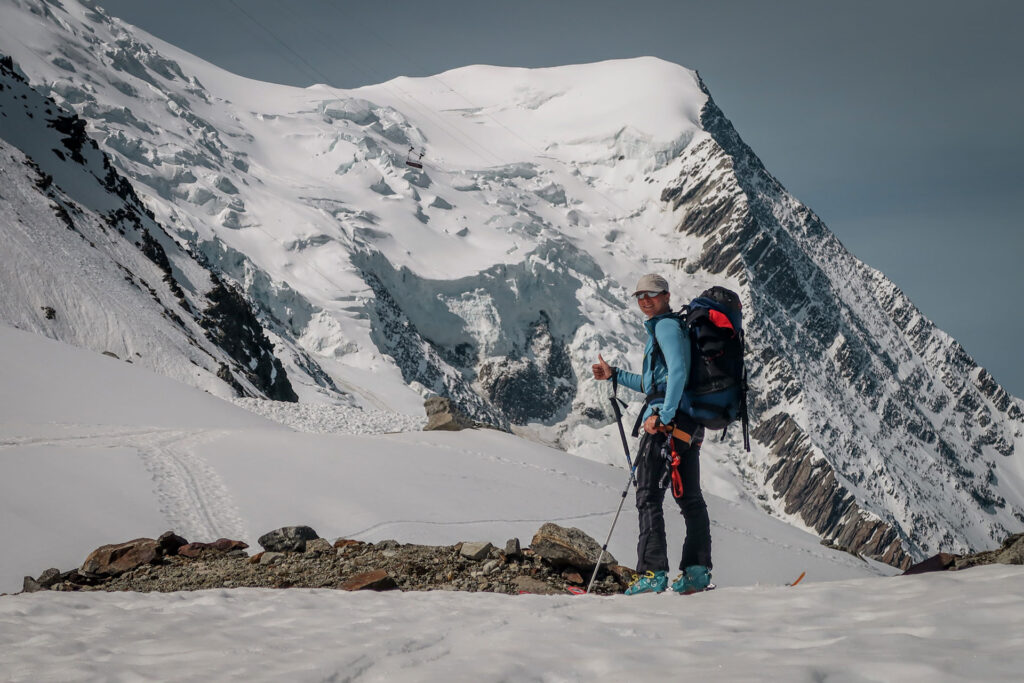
(677, 478)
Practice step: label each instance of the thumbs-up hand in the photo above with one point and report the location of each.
(601, 369)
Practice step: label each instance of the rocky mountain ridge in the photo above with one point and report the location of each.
(84, 246)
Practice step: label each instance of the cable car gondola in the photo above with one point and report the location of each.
(415, 163)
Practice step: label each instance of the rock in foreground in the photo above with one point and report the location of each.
(347, 565)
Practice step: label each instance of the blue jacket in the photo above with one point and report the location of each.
(666, 371)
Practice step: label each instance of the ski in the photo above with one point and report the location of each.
(798, 579)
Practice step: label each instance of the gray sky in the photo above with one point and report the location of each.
(901, 123)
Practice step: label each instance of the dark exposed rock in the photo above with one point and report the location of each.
(376, 580)
(571, 547)
(30, 585)
(442, 414)
(221, 545)
(318, 545)
(476, 551)
(288, 539)
(419, 359)
(528, 584)
(354, 565)
(48, 577)
(169, 543)
(1011, 552)
(809, 488)
(534, 383)
(829, 333)
(111, 560)
(231, 324)
(513, 549)
(935, 563)
(572, 577)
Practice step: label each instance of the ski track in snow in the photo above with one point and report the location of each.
(191, 495)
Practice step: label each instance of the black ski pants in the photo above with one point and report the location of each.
(653, 477)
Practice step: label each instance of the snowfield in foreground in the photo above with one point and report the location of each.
(94, 450)
(937, 627)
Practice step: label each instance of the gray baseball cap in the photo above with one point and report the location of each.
(651, 283)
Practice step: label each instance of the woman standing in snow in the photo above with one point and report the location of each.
(668, 450)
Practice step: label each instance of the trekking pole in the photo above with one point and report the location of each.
(618, 419)
(604, 548)
(629, 461)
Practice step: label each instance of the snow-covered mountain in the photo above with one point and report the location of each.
(85, 262)
(496, 273)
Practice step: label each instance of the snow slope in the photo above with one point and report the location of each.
(94, 451)
(961, 626)
(496, 274)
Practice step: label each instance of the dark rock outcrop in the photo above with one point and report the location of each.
(288, 539)
(231, 324)
(375, 580)
(353, 565)
(568, 547)
(1010, 552)
(869, 372)
(169, 542)
(221, 545)
(444, 415)
(808, 487)
(118, 558)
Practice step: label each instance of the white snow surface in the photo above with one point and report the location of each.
(96, 451)
(85, 462)
(952, 627)
(323, 418)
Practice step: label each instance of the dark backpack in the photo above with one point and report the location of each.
(717, 385)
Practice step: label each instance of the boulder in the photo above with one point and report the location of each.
(169, 542)
(567, 547)
(621, 573)
(318, 545)
(49, 577)
(477, 550)
(443, 415)
(528, 584)
(30, 585)
(1012, 551)
(376, 580)
(118, 558)
(935, 563)
(572, 577)
(288, 539)
(220, 546)
(513, 549)
(271, 557)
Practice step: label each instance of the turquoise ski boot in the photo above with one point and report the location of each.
(650, 582)
(693, 580)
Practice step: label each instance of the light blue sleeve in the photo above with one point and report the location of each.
(630, 380)
(675, 349)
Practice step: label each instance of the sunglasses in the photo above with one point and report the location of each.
(647, 295)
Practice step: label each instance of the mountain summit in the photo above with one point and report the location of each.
(495, 273)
